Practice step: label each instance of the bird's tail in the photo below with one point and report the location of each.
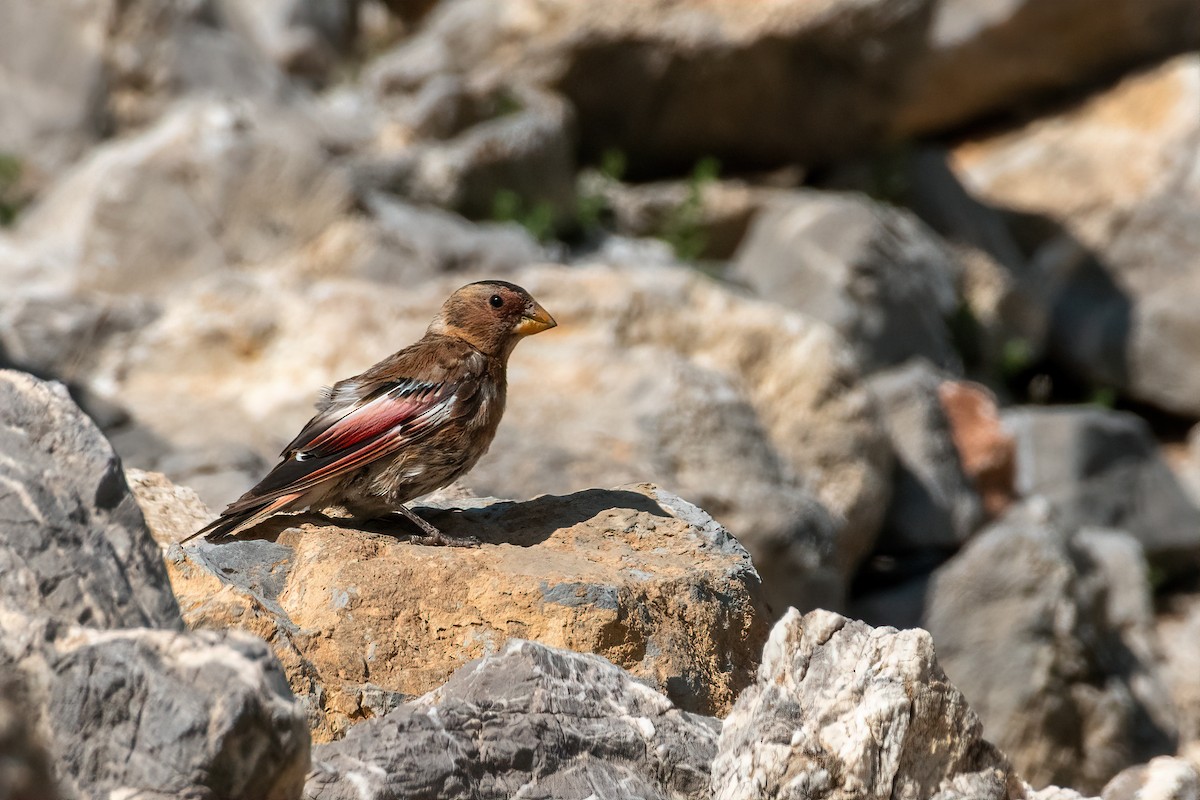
(238, 518)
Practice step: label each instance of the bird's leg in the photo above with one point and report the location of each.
(432, 535)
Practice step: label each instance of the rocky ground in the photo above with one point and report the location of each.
(861, 464)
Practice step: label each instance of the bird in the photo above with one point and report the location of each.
(413, 423)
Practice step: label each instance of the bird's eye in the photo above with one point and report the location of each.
(496, 301)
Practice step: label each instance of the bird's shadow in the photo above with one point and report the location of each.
(521, 523)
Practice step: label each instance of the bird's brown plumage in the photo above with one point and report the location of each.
(410, 424)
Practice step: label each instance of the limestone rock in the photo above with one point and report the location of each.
(934, 506)
(844, 710)
(305, 38)
(1104, 468)
(1050, 637)
(1114, 183)
(670, 83)
(528, 721)
(212, 184)
(170, 511)
(876, 274)
(73, 544)
(362, 619)
(1161, 779)
(980, 58)
(1178, 629)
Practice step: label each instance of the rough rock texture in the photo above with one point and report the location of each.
(64, 504)
(1051, 639)
(529, 721)
(92, 647)
(983, 58)
(1178, 629)
(875, 273)
(675, 82)
(986, 450)
(634, 384)
(171, 511)
(1161, 779)
(1101, 467)
(304, 38)
(25, 772)
(213, 183)
(361, 619)
(1115, 185)
(934, 505)
(843, 710)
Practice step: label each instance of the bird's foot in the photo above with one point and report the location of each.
(433, 536)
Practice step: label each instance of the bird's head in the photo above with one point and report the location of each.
(492, 315)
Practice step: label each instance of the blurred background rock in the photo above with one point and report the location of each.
(903, 292)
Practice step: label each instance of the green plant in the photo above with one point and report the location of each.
(10, 180)
(590, 203)
(538, 218)
(683, 228)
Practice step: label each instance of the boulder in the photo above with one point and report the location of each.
(527, 721)
(93, 650)
(986, 450)
(25, 772)
(1178, 627)
(1050, 637)
(844, 710)
(875, 273)
(363, 619)
(934, 505)
(1104, 468)
(671, 83)
(753, 415)
(304, 38)
(213, 184)
(987, 58)
(1162, 778)
(1109, 191)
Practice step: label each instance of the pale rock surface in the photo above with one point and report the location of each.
(214, 183)
(1178, 627)
(1049, 634)
(636, 383)
(529, 721)
(843, 710)
(1163, 778)
(1115, 180)
(875, 273)
(363, 618)
(93, 651)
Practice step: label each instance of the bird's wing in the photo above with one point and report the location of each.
(343, 439)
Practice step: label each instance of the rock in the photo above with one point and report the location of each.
(25, 772)
(777, 413)
(1050, 638)
(213, 184)
(171, 511)
(671, 83)
(875, 273)
(361, 619)
(73, 545)
(164, 714)
(934, 506)
(1178, 629)
(1104, 468)
(987, 452)
(1112, 191)
(305, 38)
(500, 153)
(92, 647)
(527, 721)
(844, 710)
(1161, 779)
(984, 58)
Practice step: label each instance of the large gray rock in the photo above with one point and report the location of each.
(1051, 639)
(875, 273)
(843, 710)
(987, 57)
(530, 721)
(212, 184)
(73, 545)
(1101, 467)
(92, 639)
(1113, 185)
(934, 505)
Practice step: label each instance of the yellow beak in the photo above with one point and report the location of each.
(534, 320)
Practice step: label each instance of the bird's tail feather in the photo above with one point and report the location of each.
(227, 526)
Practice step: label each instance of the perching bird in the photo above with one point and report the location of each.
(411, 424)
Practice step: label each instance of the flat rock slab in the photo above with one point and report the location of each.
(363, 619)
